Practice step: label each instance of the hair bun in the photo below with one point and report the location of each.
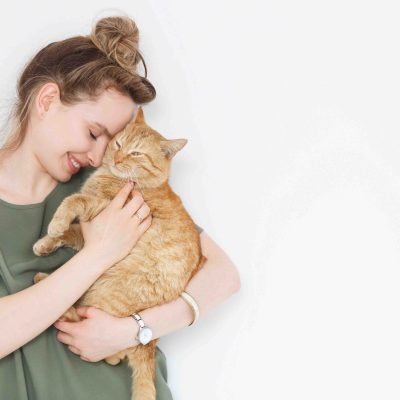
(118, 38)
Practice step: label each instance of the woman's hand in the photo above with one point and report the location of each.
(113, 233)
(97, 336)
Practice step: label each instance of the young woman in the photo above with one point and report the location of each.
(73, 96)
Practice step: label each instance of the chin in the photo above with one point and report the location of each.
(65, 178)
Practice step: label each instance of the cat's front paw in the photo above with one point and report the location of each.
(39, 277)
(57, 227)
(46, 245)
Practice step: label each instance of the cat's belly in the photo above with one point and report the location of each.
(153, 273)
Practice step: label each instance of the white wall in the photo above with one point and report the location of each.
(291, 111)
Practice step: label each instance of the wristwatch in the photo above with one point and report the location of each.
(145, 333)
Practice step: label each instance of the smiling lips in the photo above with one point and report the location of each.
(73, 164)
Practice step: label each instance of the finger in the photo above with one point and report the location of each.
(119, 200)
(134, 204)
(83, 311)
(75, 350)
(145, 224)
(65, 338)
(67, 327)
(85, 359)
(142, 212)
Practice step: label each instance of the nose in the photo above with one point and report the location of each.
(96, 156)
(94, 161)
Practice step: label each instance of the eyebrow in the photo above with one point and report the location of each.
(105, 130)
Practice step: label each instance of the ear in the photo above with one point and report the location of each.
(140, 117)
(48, 93)
(171, 147)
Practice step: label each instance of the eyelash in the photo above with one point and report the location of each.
(93, 136)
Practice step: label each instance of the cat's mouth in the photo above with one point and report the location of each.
(121, 174)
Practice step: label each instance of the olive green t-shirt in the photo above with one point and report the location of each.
(44, 368)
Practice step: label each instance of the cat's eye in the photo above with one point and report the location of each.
(135, 153)
(118, 144)
(93, 136)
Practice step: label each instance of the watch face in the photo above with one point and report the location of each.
(145, 335)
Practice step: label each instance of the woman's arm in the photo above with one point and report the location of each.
(210, 286)
(25, 314)
(101, 335)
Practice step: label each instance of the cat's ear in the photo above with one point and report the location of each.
(140, 117)
(171, 147)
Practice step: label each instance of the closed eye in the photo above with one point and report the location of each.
(135, 153)
(93, 136)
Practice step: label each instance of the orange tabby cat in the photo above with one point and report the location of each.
(163, 260)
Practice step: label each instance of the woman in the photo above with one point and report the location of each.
(73, 96)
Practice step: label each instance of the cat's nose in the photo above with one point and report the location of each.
(118, 158)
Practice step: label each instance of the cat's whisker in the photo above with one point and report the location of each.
(137, 181)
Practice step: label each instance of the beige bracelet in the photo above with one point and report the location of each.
(193, 305)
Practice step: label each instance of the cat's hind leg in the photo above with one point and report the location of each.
(39, 276)
(115, 358)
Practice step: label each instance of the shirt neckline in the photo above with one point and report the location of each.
(33, 205)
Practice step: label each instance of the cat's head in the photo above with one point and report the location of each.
(141, 154)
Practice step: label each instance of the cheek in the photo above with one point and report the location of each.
(76, 137)
(78, 142)
(54, 144)
(63, 135)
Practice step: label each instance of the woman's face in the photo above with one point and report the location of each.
(62, 133)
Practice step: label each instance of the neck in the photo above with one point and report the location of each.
(22, 174)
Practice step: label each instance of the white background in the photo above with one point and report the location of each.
(292, 114)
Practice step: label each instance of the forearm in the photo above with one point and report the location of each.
(27, 313)
(210, 287)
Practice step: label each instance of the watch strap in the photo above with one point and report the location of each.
(138, 319)
(141, 324)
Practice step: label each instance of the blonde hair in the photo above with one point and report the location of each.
(82, 67)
